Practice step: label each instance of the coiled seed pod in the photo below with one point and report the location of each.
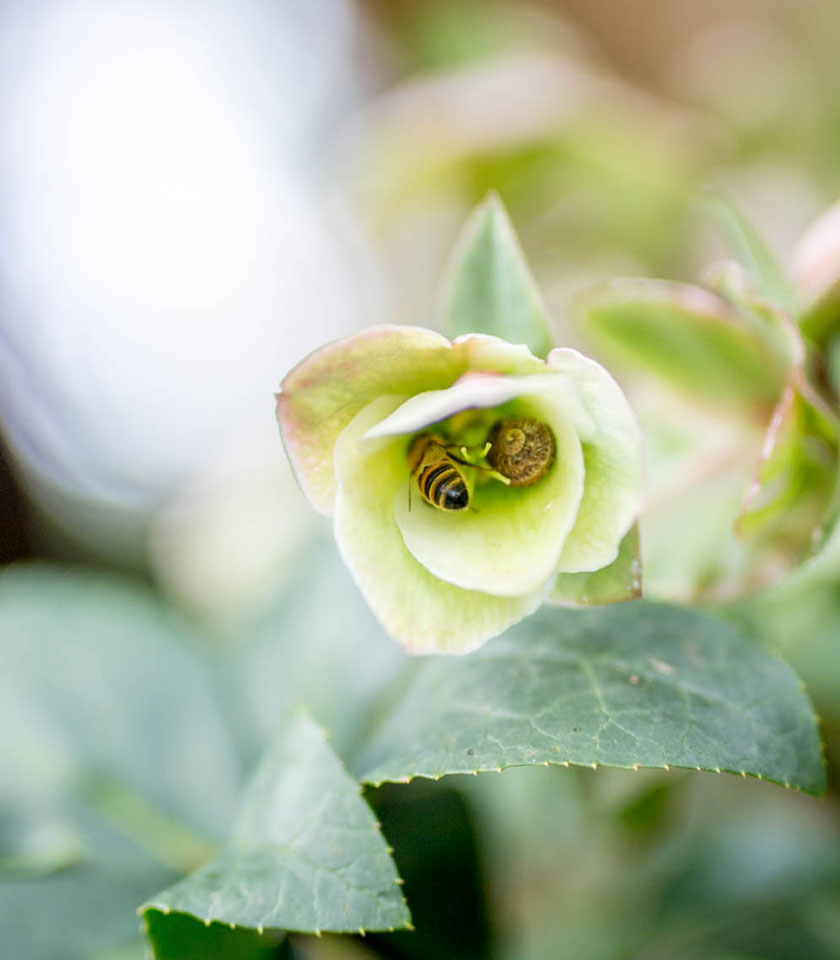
(522, 450)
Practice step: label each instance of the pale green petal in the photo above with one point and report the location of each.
(481, 390)
(511, 542)
(423, 613)
(480, 351)
(323, 393)
(471, 391)
(614, 460)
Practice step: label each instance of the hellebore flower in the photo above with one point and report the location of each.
(445, 580)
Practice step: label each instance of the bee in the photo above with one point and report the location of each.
(437, 473)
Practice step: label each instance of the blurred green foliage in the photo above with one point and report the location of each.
(608, 864)
(125, 731)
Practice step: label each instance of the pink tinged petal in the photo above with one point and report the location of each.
(323, 393)
(423, 613)
(614, 457)
(511, 542)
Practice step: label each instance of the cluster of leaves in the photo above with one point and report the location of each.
(118, 794)
(744, 348)
(131, 733)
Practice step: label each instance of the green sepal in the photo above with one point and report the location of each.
(621, 580)
(490, 288)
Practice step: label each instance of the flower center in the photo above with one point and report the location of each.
(475, 447)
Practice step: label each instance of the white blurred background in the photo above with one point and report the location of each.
(193, 195)
(170, 244)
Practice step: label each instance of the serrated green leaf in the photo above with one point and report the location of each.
(688, 337)
(491, 289)
(618, 581)
(636, 684)
(305, 854)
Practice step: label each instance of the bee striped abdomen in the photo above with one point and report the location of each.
(442, 485)
(440, 482)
